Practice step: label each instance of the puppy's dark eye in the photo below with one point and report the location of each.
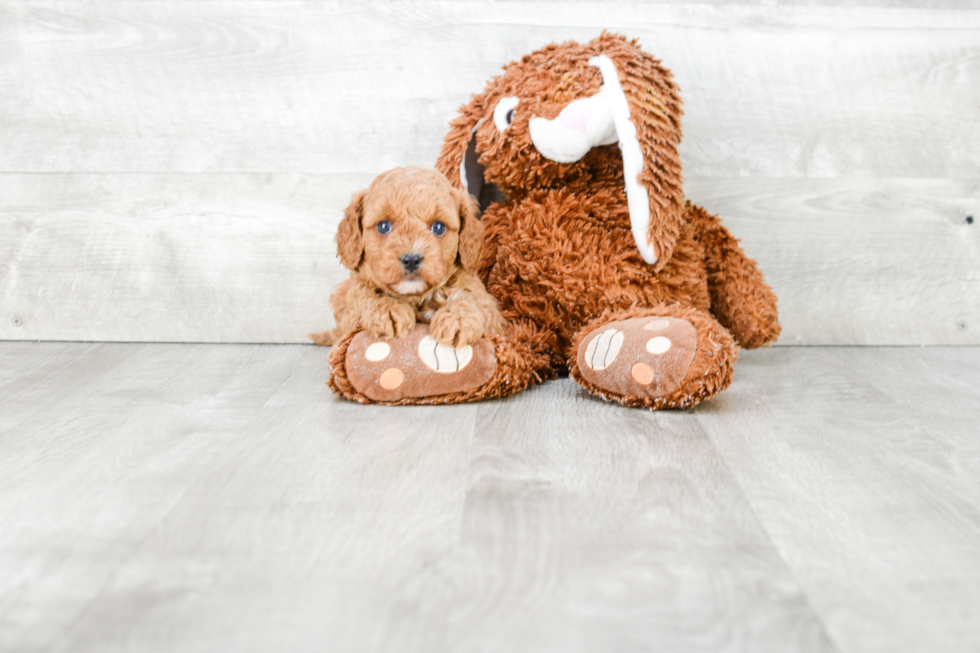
(509, 117)
(438, 228)
(383, 227)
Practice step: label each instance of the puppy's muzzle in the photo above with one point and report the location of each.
(411, 261)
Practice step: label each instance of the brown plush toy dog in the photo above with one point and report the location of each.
(599, 264)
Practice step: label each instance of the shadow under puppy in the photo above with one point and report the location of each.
(412, 242)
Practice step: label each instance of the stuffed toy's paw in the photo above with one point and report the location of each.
(642, 356)
(657, 359)
(415, 366)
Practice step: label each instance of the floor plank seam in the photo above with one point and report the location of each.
(814, 613)
(53, 405)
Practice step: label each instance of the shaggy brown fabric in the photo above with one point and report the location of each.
(561, 258)
(740, 297)
(546, 81)
(560, 255)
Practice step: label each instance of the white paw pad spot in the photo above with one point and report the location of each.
(658, 345)
(443, 359)
(377, 352)
(603, 349)
(656, 325)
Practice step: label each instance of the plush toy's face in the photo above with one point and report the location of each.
(523, 114)
(572, 115)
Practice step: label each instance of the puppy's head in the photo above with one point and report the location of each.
(409, 230)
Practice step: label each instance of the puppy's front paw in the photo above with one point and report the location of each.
(393, 320)
(455, 326)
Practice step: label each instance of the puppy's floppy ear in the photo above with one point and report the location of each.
(470, 230)
(459, 159)
(350, 246)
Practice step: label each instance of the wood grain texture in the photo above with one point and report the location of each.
(322, 523)
(251, 258)
(176, 174)
(864, 467)
(360, 87)
(35, 376)
(300, 535)
(206, 497)
(94, 472)
(592, 527)
(860, 261)
(240, 258)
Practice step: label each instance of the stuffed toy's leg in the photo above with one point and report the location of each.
(662, 357)
(418, 370)
(740, 297)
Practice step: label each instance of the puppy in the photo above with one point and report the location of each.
(412, 242)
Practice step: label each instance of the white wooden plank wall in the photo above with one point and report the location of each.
(175, 171)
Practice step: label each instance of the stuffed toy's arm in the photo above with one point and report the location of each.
(740, 297)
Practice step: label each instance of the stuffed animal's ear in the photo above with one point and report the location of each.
(460, 161)
(470, 230)
(462, 131)
(637, 106)
(646, 111)
(350, 246)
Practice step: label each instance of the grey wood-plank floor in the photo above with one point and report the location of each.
(158, 497)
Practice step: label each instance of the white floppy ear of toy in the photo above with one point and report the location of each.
(601, 119)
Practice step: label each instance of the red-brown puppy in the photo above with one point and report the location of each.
(412, 242)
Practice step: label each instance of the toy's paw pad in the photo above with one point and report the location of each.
(416, 366)
(443, 359)
(639, 356)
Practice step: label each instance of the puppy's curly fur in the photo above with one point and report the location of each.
(385, 296)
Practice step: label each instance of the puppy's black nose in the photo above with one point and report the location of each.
(411, 262)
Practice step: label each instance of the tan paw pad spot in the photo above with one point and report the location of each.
(391, 378)
(443, 359)
(603, 349)
(642, 373)
(656, 325)
(658, 345)
(377, 352)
